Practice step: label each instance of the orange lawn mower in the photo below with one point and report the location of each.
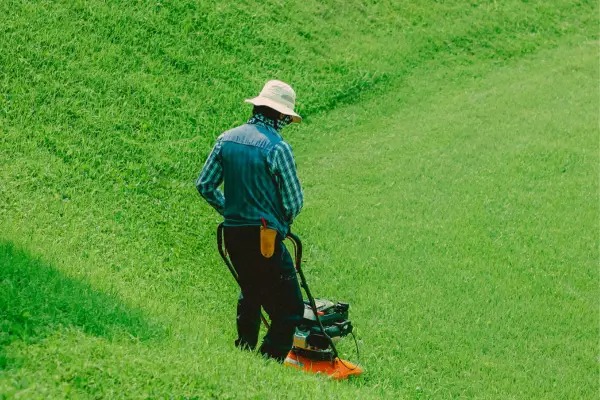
(324, 324)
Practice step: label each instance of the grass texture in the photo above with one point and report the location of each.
(449, 157)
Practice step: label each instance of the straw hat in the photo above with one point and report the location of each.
(279, 96)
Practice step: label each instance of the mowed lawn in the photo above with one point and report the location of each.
(455, 208)
(466, 223)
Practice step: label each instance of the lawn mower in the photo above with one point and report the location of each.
(324, 324)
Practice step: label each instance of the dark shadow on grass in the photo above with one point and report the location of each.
(36, 300)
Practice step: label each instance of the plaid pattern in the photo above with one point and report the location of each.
(211, 178)
(281, 164)
(283, 168)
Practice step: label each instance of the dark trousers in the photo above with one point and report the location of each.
(268, 282)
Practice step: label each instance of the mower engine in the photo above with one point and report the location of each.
(315, 352)
(309, 339)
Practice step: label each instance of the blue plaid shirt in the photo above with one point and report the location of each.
(281, 165)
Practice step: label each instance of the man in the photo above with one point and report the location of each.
(262, 198)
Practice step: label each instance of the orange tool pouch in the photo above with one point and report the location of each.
(267, 240)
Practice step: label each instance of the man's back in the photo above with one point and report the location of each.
(251, 189)
(260, 177)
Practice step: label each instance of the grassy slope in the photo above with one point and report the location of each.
(106, 128)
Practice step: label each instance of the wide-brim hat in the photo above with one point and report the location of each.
(279, 96)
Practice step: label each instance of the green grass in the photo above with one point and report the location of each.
(449, 157)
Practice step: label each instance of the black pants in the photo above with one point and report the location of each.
(268, 282)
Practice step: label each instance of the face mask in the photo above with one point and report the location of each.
(278, 125)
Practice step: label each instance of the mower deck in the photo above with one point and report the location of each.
(336, 369)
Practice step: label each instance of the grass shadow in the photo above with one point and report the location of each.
(36, 299)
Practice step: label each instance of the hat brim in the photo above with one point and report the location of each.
(263, 101)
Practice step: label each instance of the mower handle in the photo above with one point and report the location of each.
(298, 249)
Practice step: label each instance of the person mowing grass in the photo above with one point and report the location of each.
(262, 197)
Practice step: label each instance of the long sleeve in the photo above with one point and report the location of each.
(283, 167)
(210, 178)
